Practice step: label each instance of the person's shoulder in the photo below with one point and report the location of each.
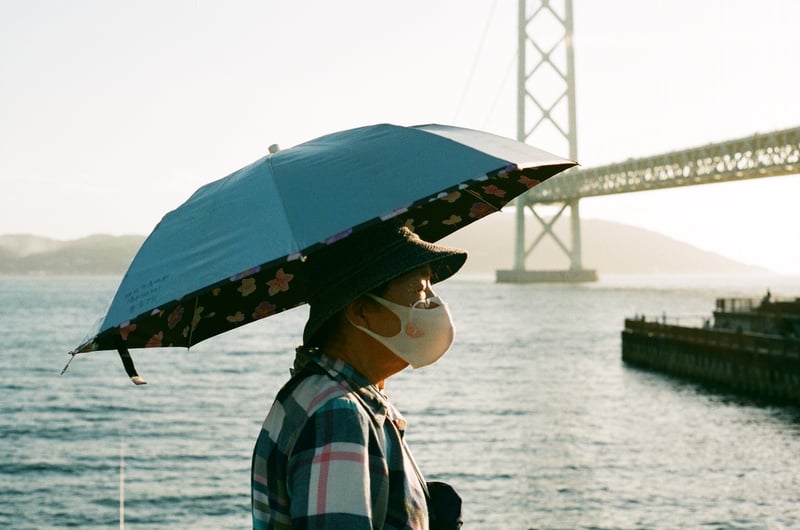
(332, 414)
(319, 391)
(300, 401)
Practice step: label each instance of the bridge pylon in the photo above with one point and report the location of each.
(546, 113)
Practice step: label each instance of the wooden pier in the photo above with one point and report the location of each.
(762, 365)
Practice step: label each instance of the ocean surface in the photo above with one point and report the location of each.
(531, 415)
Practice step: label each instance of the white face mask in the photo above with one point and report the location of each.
(425, 333)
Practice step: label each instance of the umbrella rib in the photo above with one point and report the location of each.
(273, 171)
(480, 198)
(192, 326)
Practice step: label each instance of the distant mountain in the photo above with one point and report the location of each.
(25, 244)
(93, 255)
(608, 247)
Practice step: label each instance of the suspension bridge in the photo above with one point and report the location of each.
(770, 154)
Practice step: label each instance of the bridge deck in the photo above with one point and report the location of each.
(761, 155)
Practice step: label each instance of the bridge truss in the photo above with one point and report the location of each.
(762, 155)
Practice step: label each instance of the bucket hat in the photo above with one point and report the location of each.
(364, 261)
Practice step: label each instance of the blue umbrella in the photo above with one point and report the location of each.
(234, 251)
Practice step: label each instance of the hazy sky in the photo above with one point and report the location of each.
(112, 113)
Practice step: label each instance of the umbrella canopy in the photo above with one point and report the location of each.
(234, 251)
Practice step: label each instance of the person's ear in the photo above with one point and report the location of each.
(357, 311)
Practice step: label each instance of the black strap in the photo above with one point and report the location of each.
(127, 363)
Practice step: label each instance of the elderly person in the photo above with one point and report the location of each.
(331, 452)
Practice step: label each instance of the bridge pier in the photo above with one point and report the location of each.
(575, 273)
(555, 276)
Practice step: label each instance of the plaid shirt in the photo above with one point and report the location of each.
(331, 454)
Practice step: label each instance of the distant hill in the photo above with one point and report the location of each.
(608, 247)
(93, 255)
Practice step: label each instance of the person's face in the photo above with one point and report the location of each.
(405, 290)
(410, 288)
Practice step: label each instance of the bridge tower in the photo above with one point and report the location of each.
(546, 116)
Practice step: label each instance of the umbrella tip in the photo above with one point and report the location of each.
(274, 148)
(72, 355)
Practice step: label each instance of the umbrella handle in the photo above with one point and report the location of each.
(127, 363)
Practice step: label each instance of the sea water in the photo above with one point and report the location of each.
(532, 415)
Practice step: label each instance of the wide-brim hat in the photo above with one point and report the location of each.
(362, 262)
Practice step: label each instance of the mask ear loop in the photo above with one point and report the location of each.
(371, 333)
